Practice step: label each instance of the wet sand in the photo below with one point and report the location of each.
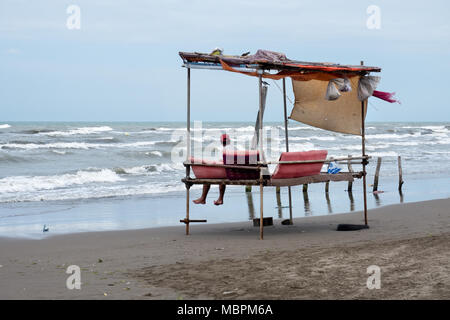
(309, 260)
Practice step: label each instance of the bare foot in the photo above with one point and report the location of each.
(218, 202)
(199, 201)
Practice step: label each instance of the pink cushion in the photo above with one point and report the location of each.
(202, 172)
(284, 171)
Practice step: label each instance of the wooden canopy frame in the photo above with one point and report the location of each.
(261, 69)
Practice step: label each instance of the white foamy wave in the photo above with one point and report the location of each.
(406, 143)
(392, 136)
(383, 154)
(80, 131)
(81, 145)
(4, 126)
(155, 153)
(311, 138)
(303, 128)
(151, 169)
(306, 146)
(89, 192)
(56, 145)
(59, 152)
(36, 183)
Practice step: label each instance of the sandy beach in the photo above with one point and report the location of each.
(309, 260)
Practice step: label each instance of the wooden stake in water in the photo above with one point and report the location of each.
(377, 174)
(350, 169)
(400, 174)
(305, 188)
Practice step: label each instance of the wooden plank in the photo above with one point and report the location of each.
(221, 181)
(187, 221)
(315, 161)
(323, 177)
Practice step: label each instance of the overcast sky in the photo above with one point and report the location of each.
(123, 63)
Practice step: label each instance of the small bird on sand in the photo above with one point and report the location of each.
(45, 229)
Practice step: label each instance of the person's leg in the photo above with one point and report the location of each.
(219, 201)
(202, 199)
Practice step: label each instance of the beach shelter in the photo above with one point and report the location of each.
(327, 95)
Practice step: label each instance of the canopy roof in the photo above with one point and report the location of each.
(314, 85)
(209, 61)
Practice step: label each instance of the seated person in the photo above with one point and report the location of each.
(225, 139)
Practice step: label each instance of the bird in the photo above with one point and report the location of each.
(245, 54)
(45, 229)
(266, 83)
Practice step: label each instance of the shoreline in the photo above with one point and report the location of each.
(25, 220)
(216, 258)
(215, 225)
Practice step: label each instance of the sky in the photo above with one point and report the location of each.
(123, 63)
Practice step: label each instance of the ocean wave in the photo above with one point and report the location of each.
(79, 131)
(4, 157)
(155, 153)
(84, 145)
(56, 145)
(150, 169)
(312, 138)
(35, 131)
(391, 136)
(4, 126)
(97, 192)
(36, 183)
(383, 154)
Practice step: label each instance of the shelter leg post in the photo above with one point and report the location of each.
(261, 212)
(290, 207)
(187, 210)
(286, 122)
(364, 161)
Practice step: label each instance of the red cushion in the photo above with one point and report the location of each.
(284, 171)
(202, 172)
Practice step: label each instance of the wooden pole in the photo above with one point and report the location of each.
(305, 188)
(350, 169)
(261, 203)
(364, 161)
(327, 187)
(400, 174)
(377, 174)
(327, 197)
(291, 221)
(251, 207)
(188, 144)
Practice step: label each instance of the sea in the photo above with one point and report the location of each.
(81, 176)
